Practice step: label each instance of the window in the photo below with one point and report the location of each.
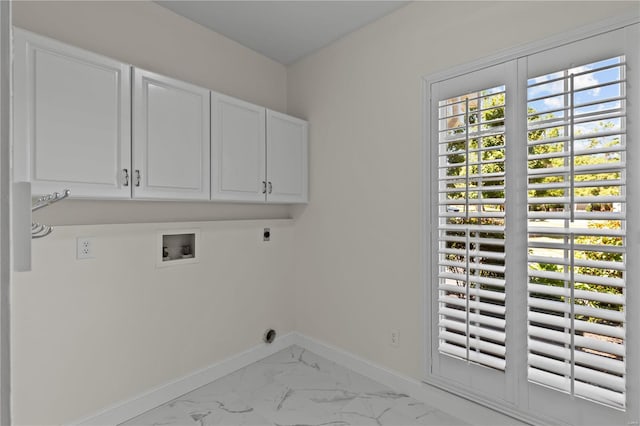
(471, 214)
(532, 283)
(577, 221)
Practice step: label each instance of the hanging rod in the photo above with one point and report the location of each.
(47, 200)
(38, 230)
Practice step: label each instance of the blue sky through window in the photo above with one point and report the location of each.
(598, 92)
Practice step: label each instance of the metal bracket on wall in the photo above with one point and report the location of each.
(38, 230)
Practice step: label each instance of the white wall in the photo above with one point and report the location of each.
(149, 36)
(89, 333)
(358, 243)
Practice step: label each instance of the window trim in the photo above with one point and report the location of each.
(429, 214)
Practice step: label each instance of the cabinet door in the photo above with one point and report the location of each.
(71, 119)
(170, 138)
(287, 158)
(238, 150)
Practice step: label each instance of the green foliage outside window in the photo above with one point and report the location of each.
(482, 161)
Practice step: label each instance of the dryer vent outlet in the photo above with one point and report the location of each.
(269, 336)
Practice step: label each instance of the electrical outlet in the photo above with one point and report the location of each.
(394, 338)
(84, 248)
(266, 234)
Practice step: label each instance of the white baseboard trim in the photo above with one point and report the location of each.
(128, 409)
(462, 408)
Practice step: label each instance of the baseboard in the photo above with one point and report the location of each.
(464, 409)
(125, 410)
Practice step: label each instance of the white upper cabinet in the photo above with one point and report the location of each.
(171, 144)
(287, 158)
(71, 119)
(238, 150)
(106, 130)
(257, 155)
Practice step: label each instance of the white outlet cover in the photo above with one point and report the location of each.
(394, 338)
(84, 248)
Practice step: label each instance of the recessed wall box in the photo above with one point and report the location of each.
(177, 247)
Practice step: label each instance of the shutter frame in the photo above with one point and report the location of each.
(471, 153)
(565, 284)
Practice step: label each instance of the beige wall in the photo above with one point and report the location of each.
(149, 36)
(89, 333)
(358, 242)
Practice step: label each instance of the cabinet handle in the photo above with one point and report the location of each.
(264, 187)
(125, 177)
(270, 188)
(137, 177)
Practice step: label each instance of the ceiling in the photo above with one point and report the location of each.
(284, 31)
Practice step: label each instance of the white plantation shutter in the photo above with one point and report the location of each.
(577, 231)
(534, 212)
(471, 257)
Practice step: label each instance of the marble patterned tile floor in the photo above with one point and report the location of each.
(295, 387)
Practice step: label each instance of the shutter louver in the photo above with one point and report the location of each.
(471, 256)
(576, 231)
